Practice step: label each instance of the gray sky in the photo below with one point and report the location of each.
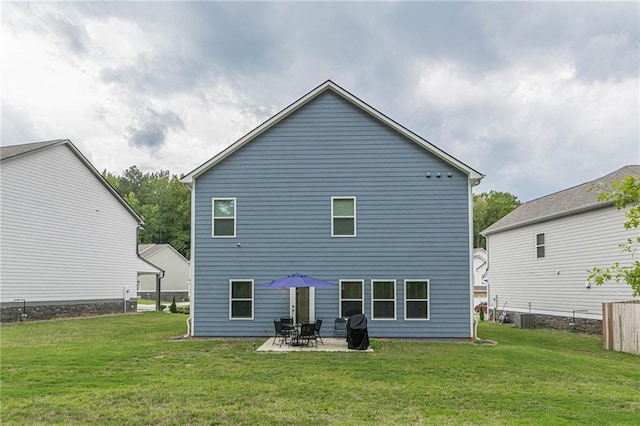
(537, 96)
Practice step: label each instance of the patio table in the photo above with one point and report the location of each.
(295, 336)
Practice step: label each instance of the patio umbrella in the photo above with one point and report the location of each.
(296, 280)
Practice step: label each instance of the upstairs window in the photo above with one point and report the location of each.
(343, 216)
(383, 300)
(416, 303)
(540, 252)
(224, 217)
(351, 297)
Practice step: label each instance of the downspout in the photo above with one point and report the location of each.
(472, 322)
(158, 289)
(192, 263)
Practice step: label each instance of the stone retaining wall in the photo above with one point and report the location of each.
(12, 312)
(582, 325)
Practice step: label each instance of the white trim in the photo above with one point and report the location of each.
(253, 299)
(395, 300)
(474, 176)
(340, 299)
(192, 263)
(213, 216)
(312, 303)
(472, 329)
(355, 214)
(428, 299)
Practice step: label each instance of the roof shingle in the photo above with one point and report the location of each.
(578, 198)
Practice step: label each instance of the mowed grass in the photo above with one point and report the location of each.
(127, 370)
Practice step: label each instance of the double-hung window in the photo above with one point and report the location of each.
(540, 246)
(224, 217)
(343, 216)
(351, 297)
(416, 299)
(383, 299)
(241, 299)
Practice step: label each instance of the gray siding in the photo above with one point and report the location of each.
(408, 226)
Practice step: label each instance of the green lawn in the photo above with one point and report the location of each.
(126, 370)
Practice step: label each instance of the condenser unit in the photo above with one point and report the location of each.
(525, 321)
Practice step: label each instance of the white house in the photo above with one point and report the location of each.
(176, 273)
(68, 241)
(479, 264)
(540, 253)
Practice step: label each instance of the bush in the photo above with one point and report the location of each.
(173, 308)
(481, 314)
(162, 307)
(183, 310)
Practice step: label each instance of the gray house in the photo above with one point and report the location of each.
(332, 188)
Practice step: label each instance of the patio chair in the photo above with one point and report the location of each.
(281, 336)
(317, 330)
(340, 328)
(308, 333)
(287, 323)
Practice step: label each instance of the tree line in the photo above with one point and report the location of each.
(165, 205)
(163, 202)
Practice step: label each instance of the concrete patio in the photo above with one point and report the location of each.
(330, 345)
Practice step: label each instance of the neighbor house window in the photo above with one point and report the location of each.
(241, 299)
(351, 297)
(416, 303)
(224, 217)
(383, 299)
(343, 216)
(540, 246)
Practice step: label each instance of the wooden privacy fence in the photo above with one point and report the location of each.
(621, 326)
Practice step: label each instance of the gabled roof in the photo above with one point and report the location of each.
(569, 201)
(147, 250)
(328, 85)
(8, 153)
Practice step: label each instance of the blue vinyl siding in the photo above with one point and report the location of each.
(408, 226)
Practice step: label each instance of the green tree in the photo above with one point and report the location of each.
(488, 208)
(625, 193)
(162, 201)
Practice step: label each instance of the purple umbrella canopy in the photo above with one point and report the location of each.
(296, 280)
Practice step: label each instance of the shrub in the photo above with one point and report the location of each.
(173, 308)
(481, 314)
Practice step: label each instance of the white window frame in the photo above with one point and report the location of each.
(231, 300)
(355, 227)
(395, 300)
(340, 299)
(428, 299)
(543, 245)
(213, 216)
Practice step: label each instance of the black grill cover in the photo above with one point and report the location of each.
(357, 334)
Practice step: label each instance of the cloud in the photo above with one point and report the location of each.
(17, 127)
(535, 95)
(150, 128)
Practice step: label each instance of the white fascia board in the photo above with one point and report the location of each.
(548, 218)
(474, 176)
(188, 178)
(107, 185)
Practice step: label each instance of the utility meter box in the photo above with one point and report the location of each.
(525, 321)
